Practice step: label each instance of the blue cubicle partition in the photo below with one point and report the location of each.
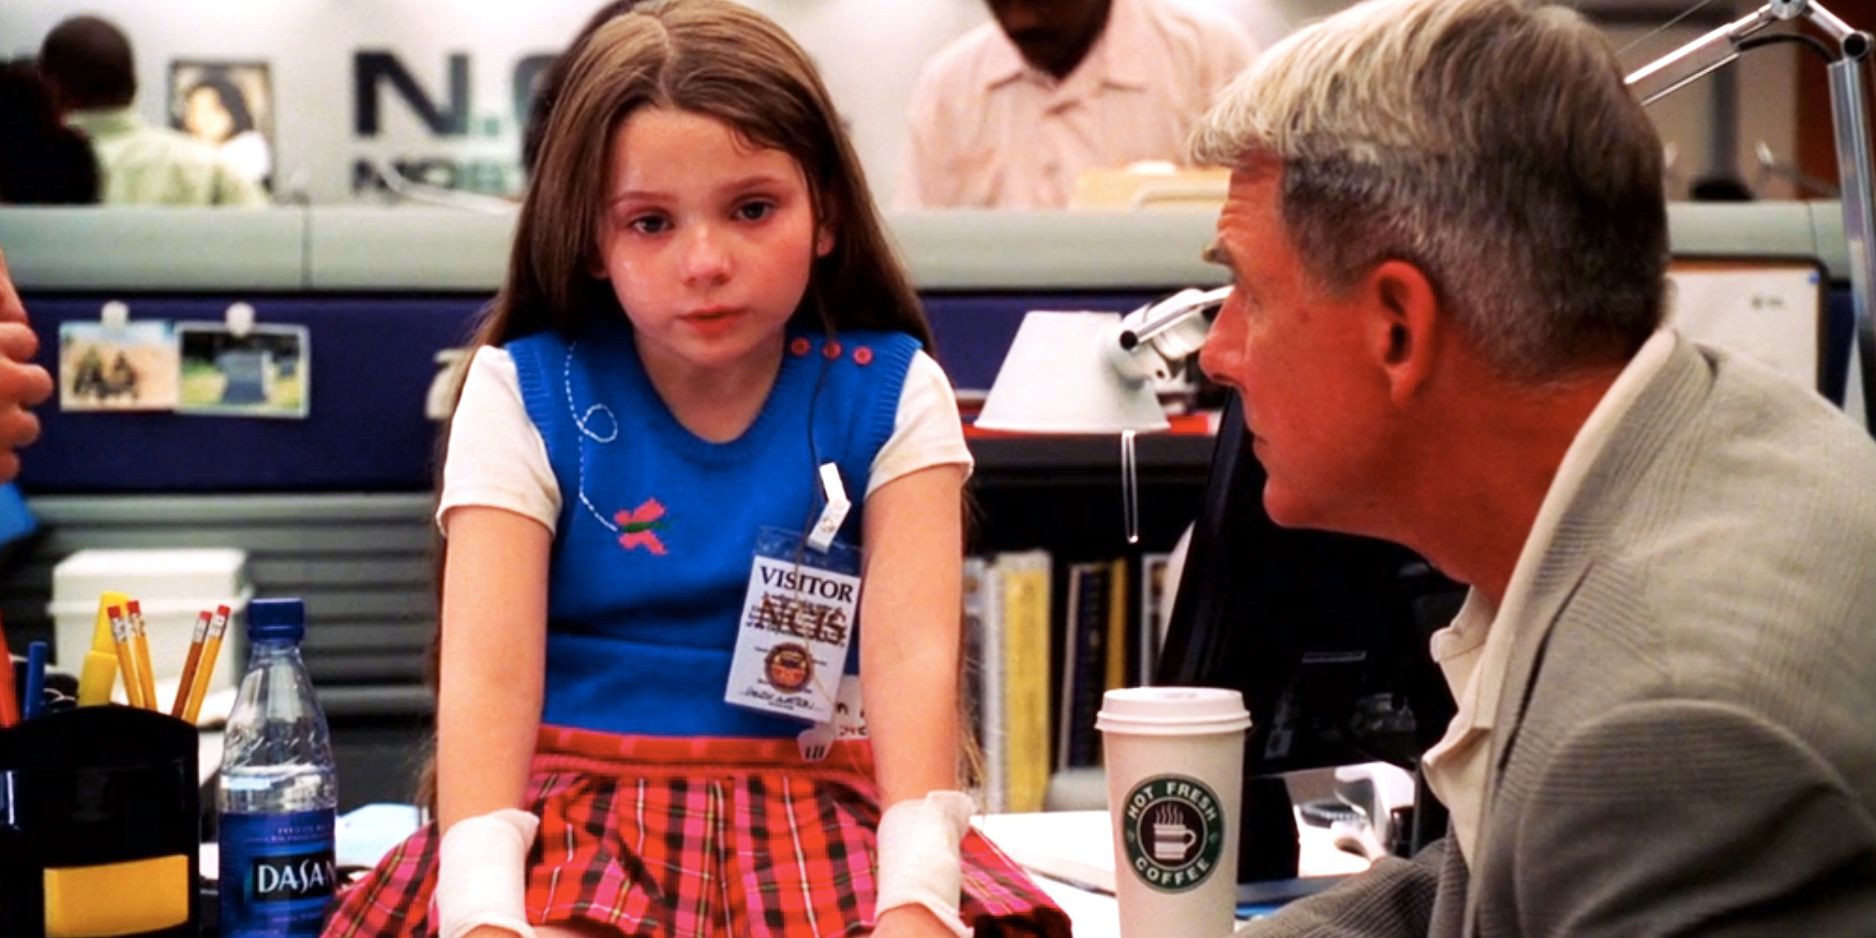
(373, 361)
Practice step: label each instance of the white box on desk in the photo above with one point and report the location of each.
(171, 586)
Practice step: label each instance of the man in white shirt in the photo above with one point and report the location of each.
(1448, 241)
(1009, 114)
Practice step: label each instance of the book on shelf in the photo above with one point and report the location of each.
(1118, 628)
(1084, 661)
(984, 677)
(1156, 599)
(1024, 579)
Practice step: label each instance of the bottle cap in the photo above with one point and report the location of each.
(276, 619)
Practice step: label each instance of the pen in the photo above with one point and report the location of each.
(140, 643)
(9, 701)
(35, 702)
(99, 672)
(206, 667)
(126, 659)
(189, 665)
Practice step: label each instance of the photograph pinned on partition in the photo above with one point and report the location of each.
(117, 366)
(264, 371)
(228, 106)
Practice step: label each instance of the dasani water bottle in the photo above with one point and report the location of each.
(278, 790)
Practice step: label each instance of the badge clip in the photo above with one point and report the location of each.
(822, 537)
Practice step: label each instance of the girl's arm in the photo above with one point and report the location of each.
(493, 663)
(910, 610)
(911, 613)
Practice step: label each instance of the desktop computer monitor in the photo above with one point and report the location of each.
(1324, 634)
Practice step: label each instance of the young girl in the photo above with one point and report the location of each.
(703, 353)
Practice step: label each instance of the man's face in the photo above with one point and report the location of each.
(1053, 35)
(1314, 401)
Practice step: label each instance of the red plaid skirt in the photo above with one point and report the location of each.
(659, 836)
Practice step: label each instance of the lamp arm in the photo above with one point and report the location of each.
(1150, 341)
(1673, 71)
(1849, 111)
(1849, 106)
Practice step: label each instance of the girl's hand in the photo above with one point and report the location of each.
(489, 931)
(908, 921)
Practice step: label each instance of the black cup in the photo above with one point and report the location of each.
(99, 812)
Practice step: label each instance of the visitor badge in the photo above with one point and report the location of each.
(797, 621)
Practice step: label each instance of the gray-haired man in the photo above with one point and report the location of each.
(1448, 238)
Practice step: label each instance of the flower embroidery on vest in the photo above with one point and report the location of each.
(638, 527)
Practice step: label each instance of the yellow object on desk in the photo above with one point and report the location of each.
(205, 668)
(99, 673)
(126, 658)
(140, 642)
(118, 898)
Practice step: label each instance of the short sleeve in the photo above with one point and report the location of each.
(926, 431)
(496, 457)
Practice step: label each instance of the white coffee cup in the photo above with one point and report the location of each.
(1175, 764)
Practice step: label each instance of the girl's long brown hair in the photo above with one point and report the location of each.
(710, 57)
(722, 60)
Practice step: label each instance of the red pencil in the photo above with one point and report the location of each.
(9, 703)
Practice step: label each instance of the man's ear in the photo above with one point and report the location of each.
(1408, 317)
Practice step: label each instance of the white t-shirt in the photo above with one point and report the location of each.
(497, 458)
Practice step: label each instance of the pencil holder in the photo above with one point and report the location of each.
(99, 822)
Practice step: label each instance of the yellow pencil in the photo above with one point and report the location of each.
(140, 643)
(189, 665)
(126, 659)
(206, 667)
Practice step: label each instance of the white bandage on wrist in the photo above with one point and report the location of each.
(919, 859)
(480, 877)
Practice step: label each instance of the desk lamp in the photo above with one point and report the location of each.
(1849, 107)
(1095, 373)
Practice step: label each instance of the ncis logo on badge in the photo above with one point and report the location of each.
(1174, 832)
(788, 668)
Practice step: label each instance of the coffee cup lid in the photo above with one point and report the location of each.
(1173, 710)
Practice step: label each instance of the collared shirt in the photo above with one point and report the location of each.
(1475, 650)
(989, 130)
(146, 165)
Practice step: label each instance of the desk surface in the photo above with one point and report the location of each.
(1072, 855)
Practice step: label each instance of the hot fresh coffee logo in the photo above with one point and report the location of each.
(1174, 832)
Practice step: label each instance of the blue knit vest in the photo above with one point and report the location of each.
(657, 526)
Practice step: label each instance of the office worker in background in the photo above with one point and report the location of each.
(702, 313)
(89, 63)
(42, 161)
(1448, 239)
(22, 383)
(1009, 114)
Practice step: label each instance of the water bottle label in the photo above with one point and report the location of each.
(276, 873)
